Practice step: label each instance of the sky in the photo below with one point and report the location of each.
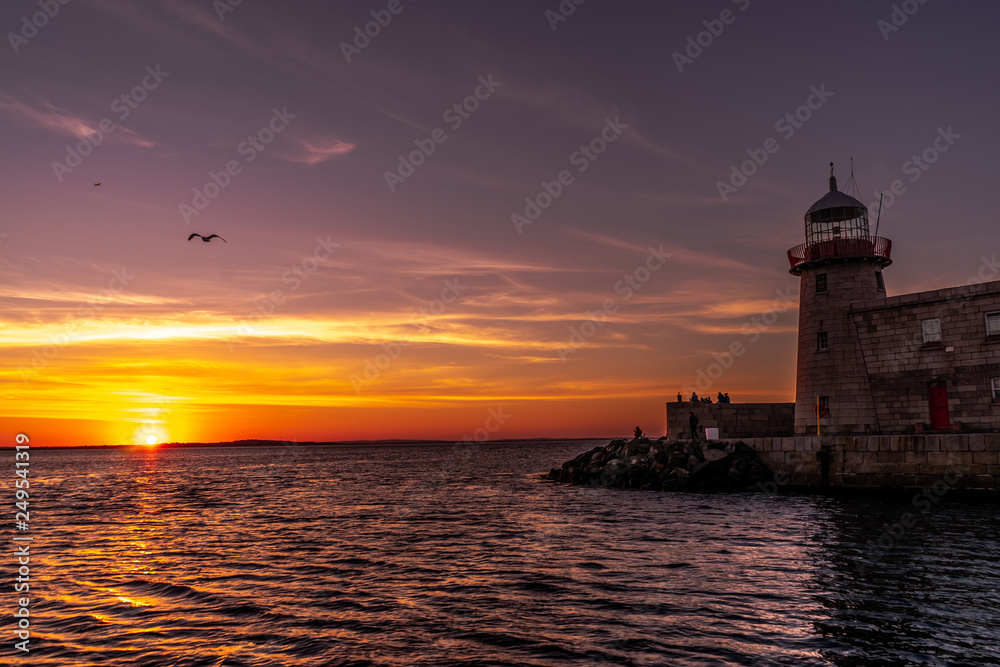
(456, 220)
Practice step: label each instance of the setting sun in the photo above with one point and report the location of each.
(150, 439)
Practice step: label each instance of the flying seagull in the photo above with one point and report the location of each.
(206, 239)
(97, 185)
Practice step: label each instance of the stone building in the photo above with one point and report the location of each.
(868, 363)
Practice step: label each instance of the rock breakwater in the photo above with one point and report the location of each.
(662, 465)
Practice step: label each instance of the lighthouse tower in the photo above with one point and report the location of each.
(839, 264)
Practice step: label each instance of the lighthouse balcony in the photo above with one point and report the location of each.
(875, 248)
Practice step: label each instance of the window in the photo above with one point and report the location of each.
(820, 282)
(996, 388)
(822, 341)
(879, 281)
(993, 324)
(932, 331)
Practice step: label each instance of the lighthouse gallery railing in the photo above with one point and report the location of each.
(862, 246)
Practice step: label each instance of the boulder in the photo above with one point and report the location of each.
(612, 473)
(637, 474)
(665, 465)
(696, 450)
(677, 459)
(714, 454)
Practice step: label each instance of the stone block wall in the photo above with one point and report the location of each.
(901, 365)
(734, 420)
(965, 461)
(836, 371)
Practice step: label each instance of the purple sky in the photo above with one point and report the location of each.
(182, 331)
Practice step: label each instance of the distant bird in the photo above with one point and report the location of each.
(206, 239)
(97, 185)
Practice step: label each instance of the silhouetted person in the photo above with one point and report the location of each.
(727, 398)
(694, 397)
(638, 432)
(693, 421)
(680, 399)
(720, 398)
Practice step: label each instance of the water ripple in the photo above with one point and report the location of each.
(421, 555)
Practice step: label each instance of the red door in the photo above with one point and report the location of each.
(940, 420)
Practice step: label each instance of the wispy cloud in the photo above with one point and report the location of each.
(639, 139)
(153, 17)
(679, 254)
(607, 241)
(317, 151)
(47, 116)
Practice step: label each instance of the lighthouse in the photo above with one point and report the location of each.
(840, 264)
(870, 364)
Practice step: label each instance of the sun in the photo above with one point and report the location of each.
(148, 435)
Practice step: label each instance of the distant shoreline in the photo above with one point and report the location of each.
(280, 443)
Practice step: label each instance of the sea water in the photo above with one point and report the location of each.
(457, 555)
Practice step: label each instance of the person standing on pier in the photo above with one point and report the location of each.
(693, 420)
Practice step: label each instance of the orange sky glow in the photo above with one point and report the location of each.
(357, 296)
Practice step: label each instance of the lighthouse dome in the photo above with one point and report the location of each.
(833, 200)
(835, 216)
(837, 232)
